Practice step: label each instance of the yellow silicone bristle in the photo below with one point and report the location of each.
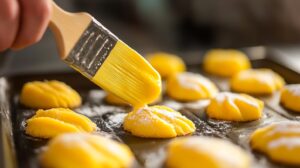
(127, 74)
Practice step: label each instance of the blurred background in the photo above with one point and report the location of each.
(183, 27)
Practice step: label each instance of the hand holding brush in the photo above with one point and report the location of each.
(91, 49)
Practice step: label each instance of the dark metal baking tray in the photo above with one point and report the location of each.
(20, 150)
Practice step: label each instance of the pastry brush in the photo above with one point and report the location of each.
(90, 48)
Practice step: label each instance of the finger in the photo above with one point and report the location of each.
(35, 15)
(9, 22)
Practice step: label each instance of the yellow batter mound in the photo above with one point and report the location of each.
(257, 81)
(189, 86)
(290, 97)
(52, 122)
(78, 150)
(198, 152)
(49, 94)
(114, 100)
(157, 122)
(280, 141)
(235, 107)
(166, 64)
(225, 62)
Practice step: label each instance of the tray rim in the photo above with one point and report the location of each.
(8, 157)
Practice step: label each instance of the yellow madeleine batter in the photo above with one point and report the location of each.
(187, 86)
(79, 150)
(55, 121)
(205, 152)
(114, 100)
(257, 81)
(279, 141)
(49, 94)
(225, 62)
(290, 97)
(157, 122)
(166, 64)
(235, 107)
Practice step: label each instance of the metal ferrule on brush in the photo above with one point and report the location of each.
(91, 50)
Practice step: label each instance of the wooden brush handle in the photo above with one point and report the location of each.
(67, 28)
